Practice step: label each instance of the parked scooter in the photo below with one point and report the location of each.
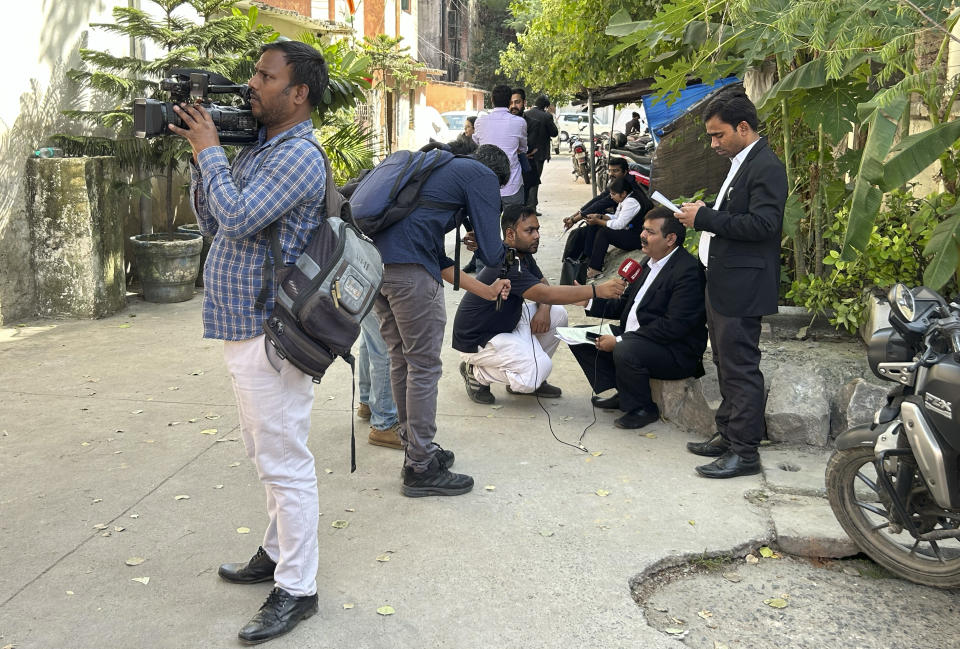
(894, 485)
(578, 155)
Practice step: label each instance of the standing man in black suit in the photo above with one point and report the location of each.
(540, 128)
(740, 248)
(662, 331)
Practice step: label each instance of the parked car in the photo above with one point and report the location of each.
(455, 120)
(579, 123)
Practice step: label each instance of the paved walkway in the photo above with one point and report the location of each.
(119, 440)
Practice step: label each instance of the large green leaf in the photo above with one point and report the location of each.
(835, 106)
(792, 215)
(864, 205)
(883, 122)
(915, 153)
(942, 247)
(622, 24)
(808, 75)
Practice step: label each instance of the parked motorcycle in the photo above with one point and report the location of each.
(578, 155)
(894, 485)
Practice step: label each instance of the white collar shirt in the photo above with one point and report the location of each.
(655, 267)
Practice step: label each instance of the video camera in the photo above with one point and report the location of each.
(235, 124)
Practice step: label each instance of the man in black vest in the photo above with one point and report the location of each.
(662, 331)
(740, 248)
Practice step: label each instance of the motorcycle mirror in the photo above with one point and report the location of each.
(902, 300)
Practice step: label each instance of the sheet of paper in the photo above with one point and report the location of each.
(578, 335)
(663, 200)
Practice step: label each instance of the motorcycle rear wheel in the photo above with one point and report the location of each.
(863, 509)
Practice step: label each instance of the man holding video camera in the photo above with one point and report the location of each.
(279, 179)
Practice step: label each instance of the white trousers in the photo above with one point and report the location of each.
(275, 422)
(519, 358)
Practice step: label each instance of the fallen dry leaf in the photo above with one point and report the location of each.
(218, 486)
(136, 412)
(349, 509)
(674, 631)
(339, 524)
(211, 416)
(546, 533)
(766, 552)
(692, 522)
(243, 530)
(100, 526)
(134, 561)
(118, 528)
(383, 557)
(597, 453)
(69, 592)
(134, 515)
(704, 614)
(347, 606)
(650, 436)
(208, 431)
(235, 464)
(497, 407)
(751, 559)
(490, 487)
(386, 610)
(141, 580)
(602, 492)
(182, 497)
(328, 470)
(776, 602)
(732, 576)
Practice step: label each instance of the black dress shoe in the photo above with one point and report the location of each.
(713, 447)
(545, 391)
(278, 615)
(637, 418)
(259, 568)
(610, 403)
(729, 465)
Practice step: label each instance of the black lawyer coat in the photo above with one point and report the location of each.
(671, 313)
(743, 266)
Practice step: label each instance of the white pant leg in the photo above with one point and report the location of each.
(275, 423)
(516, 358)
(558, 318)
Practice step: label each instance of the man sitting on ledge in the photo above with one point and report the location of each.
(662, 332)
(514, 344)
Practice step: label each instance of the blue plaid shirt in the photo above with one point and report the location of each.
(234, 203)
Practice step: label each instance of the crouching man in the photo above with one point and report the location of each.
(514, 344)
(662, 332)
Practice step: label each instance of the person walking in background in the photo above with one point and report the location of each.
(540, 129)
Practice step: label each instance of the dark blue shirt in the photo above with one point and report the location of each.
(477, 320)
(418, 239)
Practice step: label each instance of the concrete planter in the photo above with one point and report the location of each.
(167, 265)
(194, 228)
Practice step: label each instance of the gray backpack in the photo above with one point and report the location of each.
(323, 296)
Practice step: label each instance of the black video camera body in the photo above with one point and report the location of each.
(235, 124)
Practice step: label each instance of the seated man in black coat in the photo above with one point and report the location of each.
(662, 332)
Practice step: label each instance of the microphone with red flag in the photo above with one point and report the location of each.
(630, 270)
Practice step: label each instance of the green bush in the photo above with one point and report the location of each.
(895, 254)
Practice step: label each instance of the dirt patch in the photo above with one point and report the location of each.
(799, 603)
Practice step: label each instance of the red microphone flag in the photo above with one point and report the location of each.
(630, 270)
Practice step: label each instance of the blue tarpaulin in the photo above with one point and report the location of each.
(663, 112)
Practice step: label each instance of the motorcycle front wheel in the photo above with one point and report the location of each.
(865, 511)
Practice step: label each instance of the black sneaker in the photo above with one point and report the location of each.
(278, 615)
(477, 392)
(437, 480)
(446, 457)
(259, 568)
(545, 391)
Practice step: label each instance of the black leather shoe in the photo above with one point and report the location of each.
(278, 615)
(729, 465)
(637, 418)
(437, 480)
(477, 391)
(259, 568)
(713, 447)
(545, 391)
(610, 403)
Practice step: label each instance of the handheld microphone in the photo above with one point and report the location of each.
(509, 259)
(630, 270)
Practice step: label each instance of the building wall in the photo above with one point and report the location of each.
(451, 96)
(36, 91)
(302, 7)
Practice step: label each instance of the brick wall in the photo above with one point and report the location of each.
(302, 7)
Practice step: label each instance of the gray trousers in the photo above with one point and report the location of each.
(412, 320)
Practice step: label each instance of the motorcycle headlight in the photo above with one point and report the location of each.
(902, 300)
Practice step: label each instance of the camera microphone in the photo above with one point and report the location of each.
(630, 270)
